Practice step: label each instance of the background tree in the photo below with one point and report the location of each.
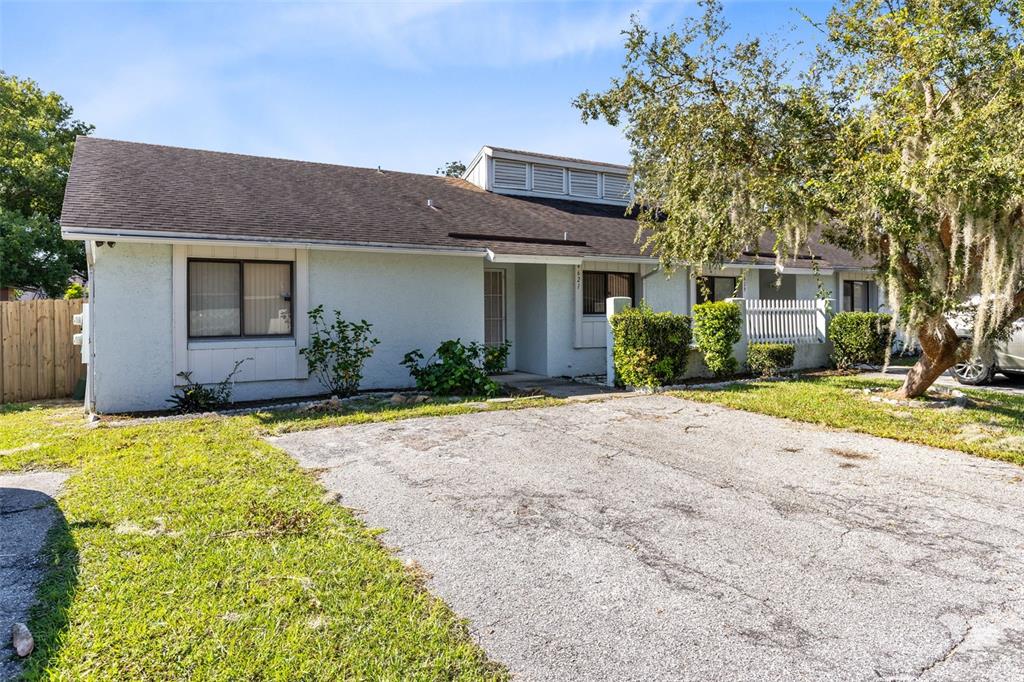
(37, 137)
(452, 169)
(904, 140)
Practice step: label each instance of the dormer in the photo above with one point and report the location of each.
(518, 173)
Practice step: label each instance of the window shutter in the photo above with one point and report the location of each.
(616, 187)
(550, 179)
(583, 184)
(509, 174)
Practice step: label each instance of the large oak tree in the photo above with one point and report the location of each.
(37, 138)
(903, 140)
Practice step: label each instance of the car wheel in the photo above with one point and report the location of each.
(972, 372)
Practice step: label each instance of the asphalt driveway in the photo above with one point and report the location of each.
(653, 538)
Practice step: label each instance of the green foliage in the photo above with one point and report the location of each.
(75, 290)
(651, 348)
(716, 327)
(452, 169)
(337, 351)
(37, 138)
(194, 397)
(455, 368)
(859, 338)
(901, 137)
(33, 255)
(496, 357)
(766, 359)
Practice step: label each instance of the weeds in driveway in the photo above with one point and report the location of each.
(991, 425)
(193, 549)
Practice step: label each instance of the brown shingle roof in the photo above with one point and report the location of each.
(143, 188)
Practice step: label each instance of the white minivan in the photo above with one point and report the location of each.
(1007, 359)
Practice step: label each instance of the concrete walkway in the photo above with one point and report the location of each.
(556, 387)
(27, 510)
(651, 538)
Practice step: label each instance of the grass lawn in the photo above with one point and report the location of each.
(991, 426)
(192, 549)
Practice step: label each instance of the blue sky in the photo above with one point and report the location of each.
(406, 86)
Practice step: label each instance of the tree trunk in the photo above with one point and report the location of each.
(939, 346)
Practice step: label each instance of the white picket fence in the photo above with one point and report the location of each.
(785, 321)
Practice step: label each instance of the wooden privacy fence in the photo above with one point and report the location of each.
(37, 356)
(800, 321)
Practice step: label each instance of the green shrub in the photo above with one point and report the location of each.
(496, 357)
(716, 327)
(455, 368)
(337, 351)
(75, 290)
(766, 359)
(859, 338)
(650, 348)
(196, 397)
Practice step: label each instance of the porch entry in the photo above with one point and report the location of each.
(494, 307)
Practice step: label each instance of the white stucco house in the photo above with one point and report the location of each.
(198, 259)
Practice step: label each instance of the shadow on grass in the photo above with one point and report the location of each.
(48, 617)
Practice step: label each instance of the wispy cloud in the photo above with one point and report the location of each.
(424, 36)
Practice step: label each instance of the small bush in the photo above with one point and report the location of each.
(716, 327)
(650, 348)
(75, 290)
(455, 368)
(337, 351)
(766, 359)
(496, 357)
(859, 338)
(194, 397)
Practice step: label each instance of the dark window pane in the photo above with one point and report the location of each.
(213, 290)
(595, 291)
(710, 289)
(855, 296)
(620, 284)
(268, 296)
(725, 287)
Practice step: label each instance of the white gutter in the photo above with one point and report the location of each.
(227, 240)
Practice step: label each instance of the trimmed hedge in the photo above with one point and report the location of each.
(766, 359)
(650, 348)
(859, 338)
(716, 327)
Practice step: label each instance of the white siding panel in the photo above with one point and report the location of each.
(583, 184)
(616, 186)
(550, 179)
(509, 174)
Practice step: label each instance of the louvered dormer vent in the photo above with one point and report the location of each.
(509, 174)
(616, 187)
(548, 179)
(583, 184)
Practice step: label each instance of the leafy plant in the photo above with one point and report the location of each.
(75, 290)
(196, 397)
(337, 351)
(455, 368)
(650, 348)
(766, 359)
(900, 137)
(859, 338)
(496, 357)
(716, 328)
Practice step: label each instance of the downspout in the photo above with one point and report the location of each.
(90, 381)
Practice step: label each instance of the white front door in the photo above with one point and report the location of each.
(494, 307)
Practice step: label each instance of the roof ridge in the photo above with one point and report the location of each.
(93, 138)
